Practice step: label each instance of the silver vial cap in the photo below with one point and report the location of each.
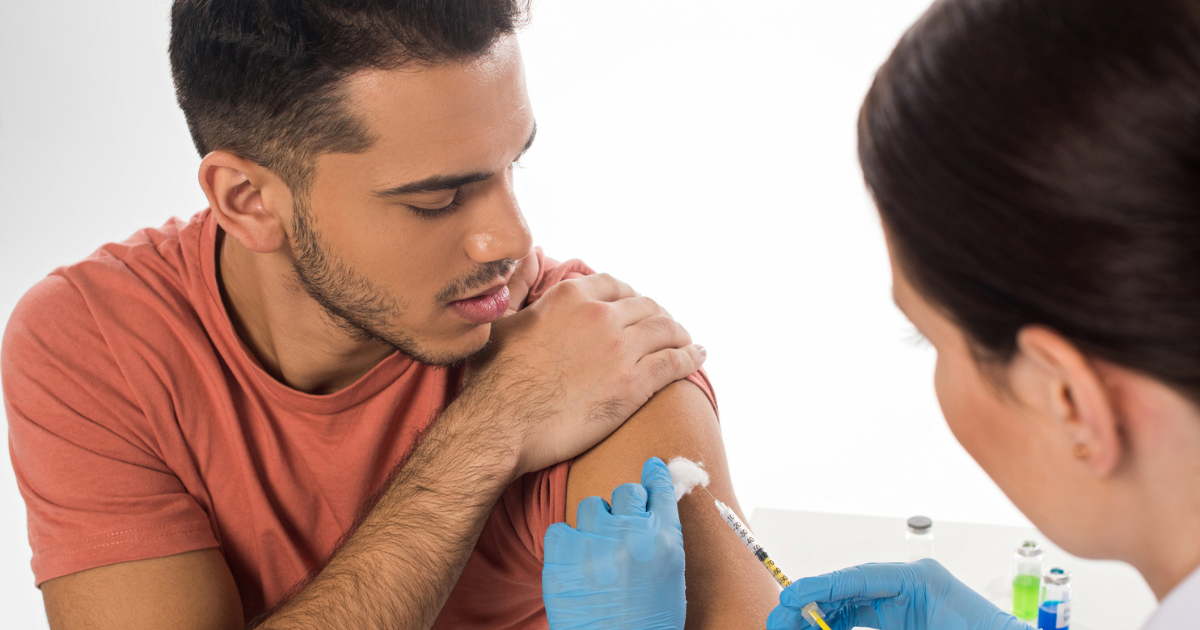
(1056, 575)
(919, 524)
(1029, 548)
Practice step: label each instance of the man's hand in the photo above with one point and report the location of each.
(524, 275)
(568, 370)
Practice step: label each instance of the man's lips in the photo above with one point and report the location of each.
(485, 307)
(491, 288)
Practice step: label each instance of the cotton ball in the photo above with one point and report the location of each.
(685, 475)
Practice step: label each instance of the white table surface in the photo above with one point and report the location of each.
(1106, 595)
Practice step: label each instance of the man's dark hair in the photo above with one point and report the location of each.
(262, 78)
(1038, 162)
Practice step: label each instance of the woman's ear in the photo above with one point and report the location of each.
(1051, 373)
(235, 189)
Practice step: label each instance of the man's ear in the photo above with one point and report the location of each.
(245, 197)
(1057, 377)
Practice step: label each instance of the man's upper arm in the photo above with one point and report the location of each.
(192, 591)
(726, 585)
(100, 500)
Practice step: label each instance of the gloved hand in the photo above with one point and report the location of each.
(622, 569)
(919, 595)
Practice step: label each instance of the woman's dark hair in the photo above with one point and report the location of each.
(1038, 162)
(261, 78)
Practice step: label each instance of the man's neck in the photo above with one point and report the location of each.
(292, 337)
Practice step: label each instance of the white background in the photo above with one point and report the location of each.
(702, 151)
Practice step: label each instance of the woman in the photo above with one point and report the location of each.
(1036, 165)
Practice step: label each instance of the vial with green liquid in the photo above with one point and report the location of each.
(1027, 580)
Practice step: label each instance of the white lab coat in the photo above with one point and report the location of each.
(1180, 608)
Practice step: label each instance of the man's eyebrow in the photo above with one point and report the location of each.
(433, 184)
(438, 183)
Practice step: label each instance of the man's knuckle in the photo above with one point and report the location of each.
(568, 288)
(656, 324)
(620, 345)
(630, 379)
(674, 362)
(597, 313)
(664, 366)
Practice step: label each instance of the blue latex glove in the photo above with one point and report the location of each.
(622, 569)
(919, 595)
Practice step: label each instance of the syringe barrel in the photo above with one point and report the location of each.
(740, 528)
(751, 543)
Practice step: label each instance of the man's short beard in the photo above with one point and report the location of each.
(353, 302)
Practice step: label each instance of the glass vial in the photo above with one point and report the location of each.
(1054, 613)
(918, 540)
(1027, 580)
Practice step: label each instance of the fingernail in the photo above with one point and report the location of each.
(701, 350)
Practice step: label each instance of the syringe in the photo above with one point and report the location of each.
(748, 539)
(810, 612)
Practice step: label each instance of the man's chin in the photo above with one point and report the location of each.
(450, 357)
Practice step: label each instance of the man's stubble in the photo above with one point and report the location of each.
(361, 308)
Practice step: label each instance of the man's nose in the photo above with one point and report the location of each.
(500, 231)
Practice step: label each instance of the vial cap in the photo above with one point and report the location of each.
(919, 524)
(1056, 575)
(1029, 548)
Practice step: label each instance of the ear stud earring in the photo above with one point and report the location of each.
(1082, 451)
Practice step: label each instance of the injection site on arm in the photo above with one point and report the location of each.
(686, 475)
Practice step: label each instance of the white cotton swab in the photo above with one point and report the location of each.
(686, 475)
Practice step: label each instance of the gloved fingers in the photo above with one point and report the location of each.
(853, 616)
(561, 545)
(589, 513)
(572, 558)
(930, 570)
(601, 561)
(657, 481)
(629, 499)
(786, 618)
(810, 589)
(866, 581)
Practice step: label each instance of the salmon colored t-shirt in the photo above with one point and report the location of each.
(140, 426)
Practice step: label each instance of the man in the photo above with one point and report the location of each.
(349, 393)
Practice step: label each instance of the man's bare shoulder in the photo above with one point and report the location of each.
(727, 588)
(678, 421)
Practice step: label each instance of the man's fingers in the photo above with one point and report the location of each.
(631, 310)
(657, 333)
(659, 369)
(523, 277)
(604, 288)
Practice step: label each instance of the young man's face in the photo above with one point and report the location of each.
(414, 240)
